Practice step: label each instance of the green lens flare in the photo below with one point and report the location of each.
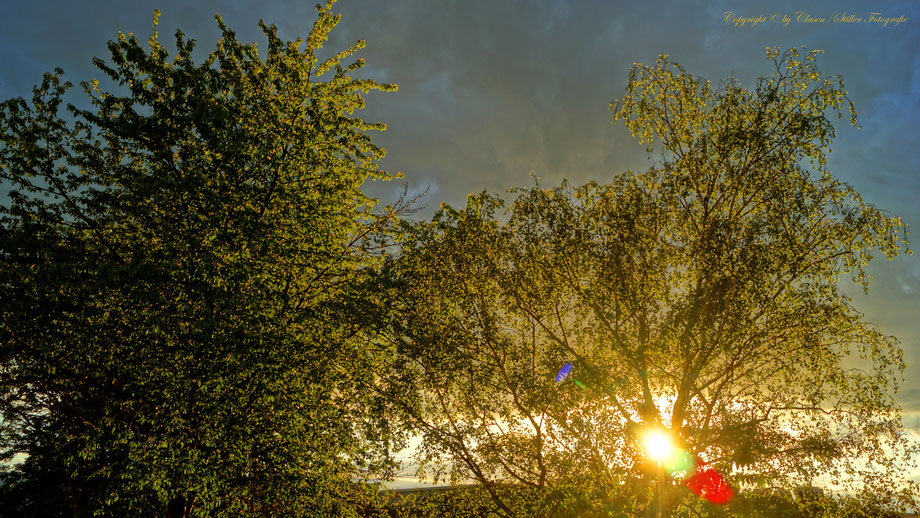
(679, 464)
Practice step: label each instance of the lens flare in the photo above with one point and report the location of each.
(564, 372)
(709, 484)
(698, 476)
(678, 463)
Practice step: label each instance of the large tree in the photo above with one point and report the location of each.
(174, 265)
(702, 296)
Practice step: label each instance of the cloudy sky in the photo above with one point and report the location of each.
(490, 90)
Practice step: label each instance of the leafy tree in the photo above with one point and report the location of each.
(175, 264)
(701, 296)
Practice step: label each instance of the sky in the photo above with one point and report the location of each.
(490, 90)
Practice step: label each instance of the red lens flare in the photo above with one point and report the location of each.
(709, 484)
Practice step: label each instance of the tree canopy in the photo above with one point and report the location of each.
(204, 315)
(702, 296)
(175, 263)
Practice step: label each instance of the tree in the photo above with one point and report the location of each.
(701, 296)
(175, 260)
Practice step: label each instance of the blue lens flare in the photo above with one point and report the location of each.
(564, 372)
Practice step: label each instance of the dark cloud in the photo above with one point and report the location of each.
(910, 397)
(490, 90)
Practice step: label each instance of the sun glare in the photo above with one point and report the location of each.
(658, 444)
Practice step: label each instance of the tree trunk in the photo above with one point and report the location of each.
(180, 507)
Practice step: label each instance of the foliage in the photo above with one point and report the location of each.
(475, 501)
(701, 295)
(801, 503)
(175, 264)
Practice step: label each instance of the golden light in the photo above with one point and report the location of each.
(658, 444)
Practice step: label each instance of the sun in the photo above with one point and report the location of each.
(658, 444)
